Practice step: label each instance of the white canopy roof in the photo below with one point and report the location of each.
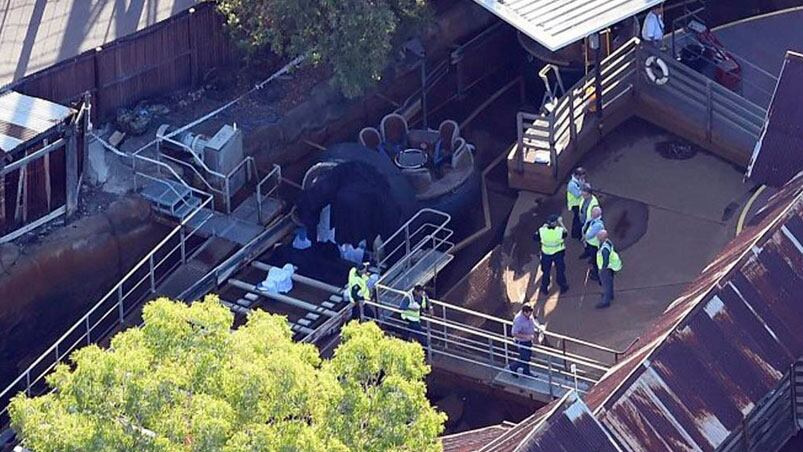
(23, 117)
(558, 23)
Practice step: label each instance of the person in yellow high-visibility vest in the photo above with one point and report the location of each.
(609, 264)
(411, 308)
(358, 291)
(589, 202)
(574, 199)
(552, 236)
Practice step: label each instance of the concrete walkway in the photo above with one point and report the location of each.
(668, 219)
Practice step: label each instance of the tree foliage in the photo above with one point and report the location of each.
(186, 381)
(354, 37)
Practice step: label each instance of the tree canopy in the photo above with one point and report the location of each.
(354, 37)
(185, 380)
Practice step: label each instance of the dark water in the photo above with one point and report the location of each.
(471, 405)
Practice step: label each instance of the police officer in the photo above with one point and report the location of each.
(589, 202)
(574, 199)
(411, 312)
(358, 291)
(552, 236)
(609, 264)
(590, 231)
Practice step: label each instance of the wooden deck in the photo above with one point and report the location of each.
(688, 104)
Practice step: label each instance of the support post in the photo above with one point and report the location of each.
(71, 171)
(424, 91)
(572, 125)
(520, 142)
(709, 105)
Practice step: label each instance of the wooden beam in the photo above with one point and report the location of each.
(71, 172)
(56, 145)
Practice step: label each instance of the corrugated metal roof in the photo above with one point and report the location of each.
(708, 361)
(558, 23)
(24, 117)
(473, 440)
(779, 152)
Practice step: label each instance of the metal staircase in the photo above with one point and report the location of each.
(687, 103)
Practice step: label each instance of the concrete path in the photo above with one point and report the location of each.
(668, 218)
(35, 34)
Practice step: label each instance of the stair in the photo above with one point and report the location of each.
(171, 198)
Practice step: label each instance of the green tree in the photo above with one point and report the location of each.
(354, 37)
(185, 380)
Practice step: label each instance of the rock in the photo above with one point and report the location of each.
(9, 253)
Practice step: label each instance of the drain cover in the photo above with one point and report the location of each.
(675, 150)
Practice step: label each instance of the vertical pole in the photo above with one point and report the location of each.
(520, 141)
(71, 171)
(429, 340)
(598, 81)
(193, 48)
(572, 125)
(183, 246)
(549, 364)
(406, 239)
(151, 274)
(443, 313)
(28, 383)
(120, 306)
(709, 105)
(424, 90)
(507, 352)
(88, 332)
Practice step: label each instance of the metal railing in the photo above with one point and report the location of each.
(110, 312)
(542, 137)
(267, 187)
(444, 336)
(213, 181)
(414, 254)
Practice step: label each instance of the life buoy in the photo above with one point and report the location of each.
(659, 76)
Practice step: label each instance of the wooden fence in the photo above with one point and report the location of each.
(173, 54)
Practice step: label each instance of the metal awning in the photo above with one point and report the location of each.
(24, 117)
(558, 23)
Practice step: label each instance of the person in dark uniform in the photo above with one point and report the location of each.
(552, 236)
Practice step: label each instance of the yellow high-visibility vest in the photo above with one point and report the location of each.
(614, 263)
(551, 240)
(355, 279)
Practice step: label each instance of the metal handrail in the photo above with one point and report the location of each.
(493, 346)
(405, 228)
(507, 325)
(193, 169)
(58, 350)
(276, 173)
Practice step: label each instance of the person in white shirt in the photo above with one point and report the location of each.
(652, 31)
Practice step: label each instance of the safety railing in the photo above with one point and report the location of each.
(110, 312)
(542, 137)
(213, 181)
(722, 112)
(268, 187)
(441, 336)
(719, 109)
(415, 253)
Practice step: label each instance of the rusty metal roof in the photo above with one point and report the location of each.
(779, 153)
(473, 440)
(711, 357)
